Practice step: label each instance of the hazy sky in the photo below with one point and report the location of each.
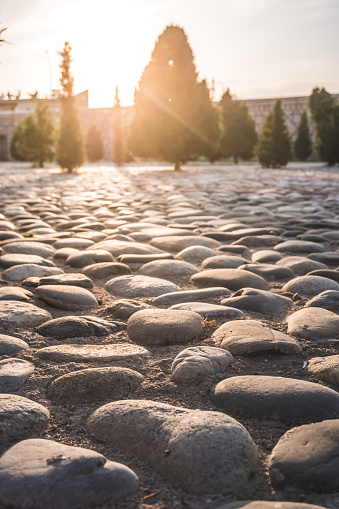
(257, 48)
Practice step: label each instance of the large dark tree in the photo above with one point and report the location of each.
(69, 153)
(325, 116)
(238, 136)
(94, 144)
(274, 145)
(118, 132)
(174, 119)
(303, 142)
(34, 138)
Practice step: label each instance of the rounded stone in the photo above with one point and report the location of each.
(45, 474)
(259, 504)
(233, 279)
(91, 353)
(21, 418)
(248, 337)
(30, 248)
(174, 244)
(106, 269)
(82, 258)
(131, 287)
(266, 256)
(203, 452)
(313, 323)
(10, 260)
(300, 264)
(306, 459)
(9, 345)
(169, 299)
(164, 326)
(70, 298)
(275, 398)
(195, 254)
(309, 286)
(21, 272)
(79, 326)
(75, 243)
(22, 314)
(210, 311)
(325, 368)
(94, 384)
(15, 293)
(328, 300)
(223, 262)
(299, 246)
(258, 301)
(168, 269)
(269, 272)
(68, 279)
(119, 247)
(197, 362)
(14, 373)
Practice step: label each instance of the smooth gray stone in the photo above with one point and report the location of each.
(269, 272)
(300, 264)
(330, 274)
(5, 235)
(94, 384)
(122, 309)
(20, 418)
(9, 345)
(258, 301)
(164, 326)
(64, 252)
(223, 262)
(31, 248)
(176, 243)
(197, 362)
(10, 260)
(22, 314)
(91, 353)
(233, 279)
(275, 398)
(119, 247)
(169, 299)
(15, 293)
(82, 259)
(170, 270)
(328, 258)
(132, 287)
(325, 368)
(14, 373)
(259, 504)
(306, 459)
(68, 279)
(310, 286)
(248, 232)
(210, 311)
(208, 452)
(261, 241)
(248, 337)
(328, 300)
(143, 258)
(266, 256)
(106, 269)
(238, 250)
(21, 272)
(74, 242)
(70, 298)
(299, 246)
(43, 474)
(79, 326)
(195, 254)
(313, 323)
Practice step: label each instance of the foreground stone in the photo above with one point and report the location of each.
(307, 459)
(79, 326)
(233, 279)
(275, 398)
(258, 301)
(259, 504)
(164, 326)
(313, 323)
(309, 286)
(9, 345)
(70, 298)
(15, 293)
(48, 475)
(14, 373)
(91, 353)
(20, 418)
(168, 269)
(21, 272)
(328, 300)
(189, 295)
(69, 280)
(30, 248)
(22, 314)
(210, 311)
(203, 452)
(197, 362)
(94, 384)
(325, 368)
(132, 287)
(250, 337)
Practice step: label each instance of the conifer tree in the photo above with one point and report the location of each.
(173, 118)
(274, 145)
(34, 138)
(238, 136)
(94, 145)
(303, 142)
(118, 141)
(69, 153)
(325, 116)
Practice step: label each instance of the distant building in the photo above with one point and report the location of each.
(14, 110)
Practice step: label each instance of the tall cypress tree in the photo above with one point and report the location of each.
(69, 153)
(274, 145)
(325, 116)
(173, 114)
(118, 140)
(238, 136)
(303, 142)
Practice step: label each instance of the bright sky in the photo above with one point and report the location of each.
(257, 48)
